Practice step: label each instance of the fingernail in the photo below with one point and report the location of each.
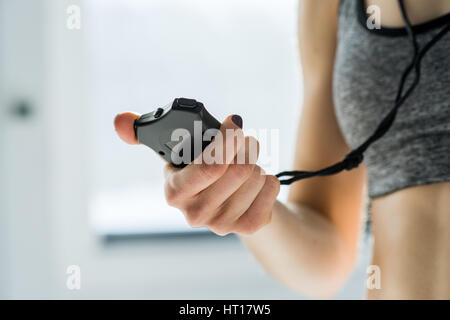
(237, 120)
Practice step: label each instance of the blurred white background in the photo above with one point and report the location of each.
(73, 194)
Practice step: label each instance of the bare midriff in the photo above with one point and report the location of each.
(411, 228)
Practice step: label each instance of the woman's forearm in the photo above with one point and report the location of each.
(302, 249)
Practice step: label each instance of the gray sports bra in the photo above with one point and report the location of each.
(368, 67)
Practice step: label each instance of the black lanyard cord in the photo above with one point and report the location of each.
(412, 37)
(354, 158)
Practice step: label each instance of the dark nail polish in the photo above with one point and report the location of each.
(237, 120)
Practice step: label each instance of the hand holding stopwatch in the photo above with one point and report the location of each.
(184, 119)
(180, 125)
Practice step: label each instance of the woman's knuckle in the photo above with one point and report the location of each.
(241, 171)
(273, 184)
(200, 210)
(193, 223)
(264, 219)
(171, 194)
(193, 215)
(194, 220)
(221, 230)
(258, 175)
(248, 229)
(210, 171)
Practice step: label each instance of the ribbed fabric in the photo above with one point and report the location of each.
(368, 67)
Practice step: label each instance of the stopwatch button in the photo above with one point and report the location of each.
(158, 112)
(187, 103)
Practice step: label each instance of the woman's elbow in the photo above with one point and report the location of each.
(324, 281)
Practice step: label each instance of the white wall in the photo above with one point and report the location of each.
(25, 255)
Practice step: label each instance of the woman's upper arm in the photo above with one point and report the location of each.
(320, 141)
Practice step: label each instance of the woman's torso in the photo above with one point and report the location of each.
(409, 168)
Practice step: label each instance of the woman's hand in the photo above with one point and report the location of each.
(233, 196)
